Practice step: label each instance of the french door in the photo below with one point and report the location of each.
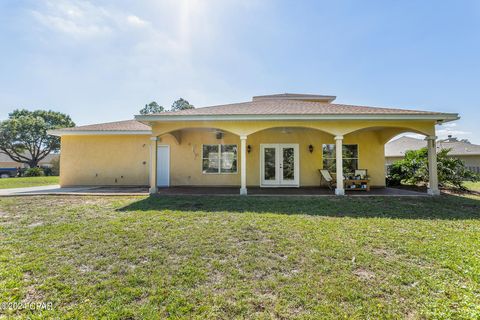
(279, 165)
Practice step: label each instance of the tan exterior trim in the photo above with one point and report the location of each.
(60, 133)
(440, 117)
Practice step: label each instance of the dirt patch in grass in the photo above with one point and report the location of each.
(364, 274)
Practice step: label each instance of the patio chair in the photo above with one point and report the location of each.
(325, 175)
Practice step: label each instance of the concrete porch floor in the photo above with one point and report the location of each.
(304, 191)
(207, 191)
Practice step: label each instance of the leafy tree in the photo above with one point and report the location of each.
(413, 169)
(181, 104)
(24, 137)
(152, 107)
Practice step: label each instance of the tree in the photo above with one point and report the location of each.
(24, 137)
(152, 107)
(413, 169)
(181, 104)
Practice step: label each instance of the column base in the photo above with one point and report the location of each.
(433, 192)
(243, 191)
(152, 190)
(339, 192)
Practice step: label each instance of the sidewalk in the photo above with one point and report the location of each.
(57, 190)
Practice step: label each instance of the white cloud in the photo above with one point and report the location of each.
(136, 21)
(75, 18)
(451, 128)
(442, 132)
(84, 19)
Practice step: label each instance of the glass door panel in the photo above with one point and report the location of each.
(270, 168)
(288, 164)
(279, 165)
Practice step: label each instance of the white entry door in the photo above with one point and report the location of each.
(163, 166)
(279, 165)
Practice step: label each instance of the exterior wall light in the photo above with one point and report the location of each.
(249, 148)
(310, 148)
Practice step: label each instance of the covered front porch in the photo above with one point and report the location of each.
(276, 158)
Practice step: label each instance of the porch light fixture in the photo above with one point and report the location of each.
(249, 148)
(310, 148)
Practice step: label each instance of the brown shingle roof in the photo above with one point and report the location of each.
(126, 125)
(290, 107)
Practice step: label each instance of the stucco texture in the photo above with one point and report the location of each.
(125, 159)
(104, 160)
(186, 157)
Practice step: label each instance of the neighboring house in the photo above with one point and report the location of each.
(7, 162)
(272, 141)
(467, 152)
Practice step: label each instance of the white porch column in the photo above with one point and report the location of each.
(432, 166)
(243, 165)
(339, 191)
(153, 165)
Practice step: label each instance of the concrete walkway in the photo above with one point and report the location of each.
(57, 190)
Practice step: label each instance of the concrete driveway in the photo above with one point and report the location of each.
(57, 190)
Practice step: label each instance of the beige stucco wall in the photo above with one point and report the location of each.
(104, 160)
(186, 157)
(124, 159)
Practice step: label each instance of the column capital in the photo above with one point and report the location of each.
(338, 138)
(243, 137)
(154, 138)
(434, 138)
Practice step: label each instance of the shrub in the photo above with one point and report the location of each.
(413, 169)
(34, 172)
(47, 171)
(55, 169)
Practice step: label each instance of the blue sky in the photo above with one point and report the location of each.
(102, 60)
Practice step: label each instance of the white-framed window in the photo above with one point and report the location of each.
(349, 155)
(219, 158)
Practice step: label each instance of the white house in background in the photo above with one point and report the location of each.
(462, 149)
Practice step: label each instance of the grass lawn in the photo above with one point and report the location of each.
(475, 186)
(24, 182)
(241, 257)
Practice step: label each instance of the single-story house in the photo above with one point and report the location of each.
(7, 162)
(272, 141)
(468, 152)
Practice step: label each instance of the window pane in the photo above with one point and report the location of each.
(329, 164)
(229, 158)
(211, 161)
(270, 164)
(349, 165)
(288, 164)
(328, 151)
(350, 151)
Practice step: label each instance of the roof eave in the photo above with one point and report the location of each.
(60, 132)
(439, 117)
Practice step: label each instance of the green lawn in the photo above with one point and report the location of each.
(475, 186)
(242, 257)
(24, 182)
